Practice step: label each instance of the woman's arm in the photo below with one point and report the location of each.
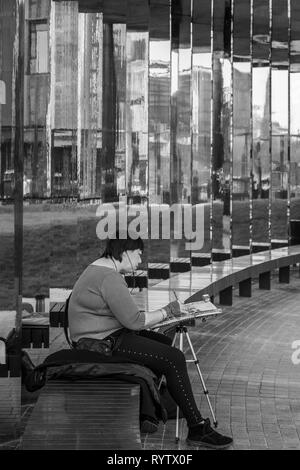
(173, 309)
(152, 318)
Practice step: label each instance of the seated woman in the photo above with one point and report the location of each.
(101, 307)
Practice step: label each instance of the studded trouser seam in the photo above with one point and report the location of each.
(176, 370)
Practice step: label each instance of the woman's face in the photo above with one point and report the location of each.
(130, 260)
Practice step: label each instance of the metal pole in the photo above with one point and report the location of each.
(196, 362)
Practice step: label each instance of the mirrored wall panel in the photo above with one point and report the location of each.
(159, 140)
(11, 215)
(221, 164)
(241, 129)
(201, 129)
(279, 122)
(261, 114)
(181, 150)
(294, 106)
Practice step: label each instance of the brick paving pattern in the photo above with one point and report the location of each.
(245, 357)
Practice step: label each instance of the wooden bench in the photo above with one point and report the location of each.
(110, 419)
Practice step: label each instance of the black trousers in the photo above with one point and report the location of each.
(154, 350)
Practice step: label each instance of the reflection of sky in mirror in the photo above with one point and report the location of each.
(201, 60)
(174, 72)
(295, 103)
(226, 73)
(243, 67)
(159, 57)
(279, 101)
(260, 79)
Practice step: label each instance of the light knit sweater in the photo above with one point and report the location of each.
(101, 304)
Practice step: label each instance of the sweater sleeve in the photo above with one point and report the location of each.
(115, 293)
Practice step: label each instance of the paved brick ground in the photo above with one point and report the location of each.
(245, 358)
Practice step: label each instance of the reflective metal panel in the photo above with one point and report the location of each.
(159, 133)
(294, 106)
(159, 104)
(295, 177)
(261, 153)
(89, 104)
(241, 145)
(201, 118)
(294, 103)
(241, 155)
(64, 98)
(181, 63)
(279, 216)
(221, 128)
(7, 141)
(294, 36)
(113, 112)
(280, 122)
(136, 111)
(280, 32)
(36, 239)
(11, 212)
(261, 31)
(72, 144)
(221, 163)
(261, 143)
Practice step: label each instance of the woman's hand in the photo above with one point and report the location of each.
(176, 309)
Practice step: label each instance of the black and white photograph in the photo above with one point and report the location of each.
(149, 228)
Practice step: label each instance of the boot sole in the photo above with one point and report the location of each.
(205, 444)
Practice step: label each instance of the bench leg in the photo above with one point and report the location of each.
(226, 296)
(284, 274)
(265, 280)
(245, 288)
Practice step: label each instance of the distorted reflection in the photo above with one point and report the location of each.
(242, 140)
(261, 152)
(221, 180)
(136, 113)
(159, 121)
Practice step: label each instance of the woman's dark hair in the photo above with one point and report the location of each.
(115, 247)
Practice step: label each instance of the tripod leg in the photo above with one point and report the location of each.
(173, 344)
(177, 409)
(196, 362)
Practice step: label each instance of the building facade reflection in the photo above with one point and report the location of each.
(160, 102)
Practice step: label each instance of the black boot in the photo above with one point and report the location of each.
(204, 435)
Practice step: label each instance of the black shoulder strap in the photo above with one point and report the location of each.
(66, 321)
